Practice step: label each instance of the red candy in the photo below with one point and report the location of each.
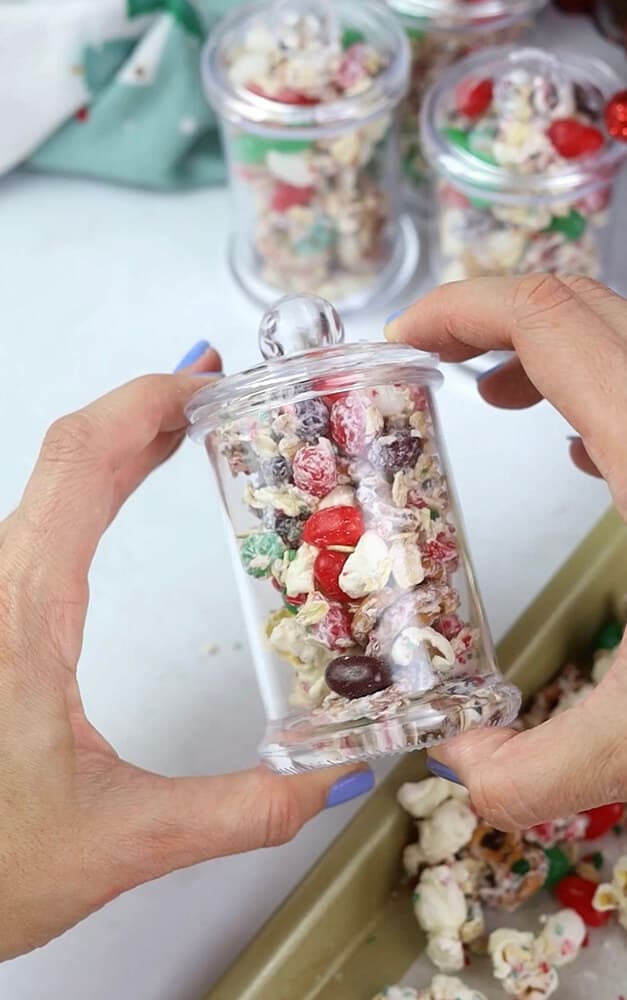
(334, 526)
(616, 116)
(572, 139)
(327, 569)
(287, 196)
(577, 894)
(473, 98)
(602, 819)
(314, 470)
(334, 631)
(349, 424)
(450, 626)
(284, 96)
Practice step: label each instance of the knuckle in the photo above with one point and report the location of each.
(498, 800)
(538, 294)
(69, 438)
(586, 287)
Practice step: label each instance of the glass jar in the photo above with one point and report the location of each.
(306, 93)
(441, 32)
(611, 17)
(361, 606)
(525, 176)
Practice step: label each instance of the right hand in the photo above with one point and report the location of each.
(569, 335)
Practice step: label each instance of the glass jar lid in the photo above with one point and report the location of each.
(474, 15)
(301, 338)
(517, 124)
(302, 65)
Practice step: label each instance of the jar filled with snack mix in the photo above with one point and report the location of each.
(361, 606)
(525, 164)
(441, 32)
(306, 93)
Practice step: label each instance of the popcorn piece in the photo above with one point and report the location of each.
(299, 575)
(526, 965)
(421, 798)
(447, 831)
(368, 568)
(613, 895)
(407, 567)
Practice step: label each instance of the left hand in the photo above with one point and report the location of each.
(78, 825)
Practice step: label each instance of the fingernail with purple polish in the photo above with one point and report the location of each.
(193, 354)
(442, 771)
(351, 786)
(395, 315)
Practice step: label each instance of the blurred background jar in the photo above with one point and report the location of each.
(611, 17)
(307, 93)
(362, 610)
(442, 32)
(525, 164)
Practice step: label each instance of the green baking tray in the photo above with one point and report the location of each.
(348, 927)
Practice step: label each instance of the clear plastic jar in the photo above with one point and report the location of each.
(441, 32)
(525, 181)
(306, 93)
(366, 626)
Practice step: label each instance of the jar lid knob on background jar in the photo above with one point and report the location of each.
(299, 323)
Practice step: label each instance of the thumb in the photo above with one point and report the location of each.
(172, 823)
(575, 761)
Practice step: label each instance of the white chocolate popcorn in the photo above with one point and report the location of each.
(368, 568)
(341, 496)
(446, 951)
(527, 965)
(450, 988)
(439, 903)
(447, 831)
(299, 575)
(441, 651)
(421, 798)
(290, 168)
(560, 940)
(613, 895)
(407, 568)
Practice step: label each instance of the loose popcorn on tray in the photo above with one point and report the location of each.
(516, 126)
(459, 865)
(612, 896)
(526, 965)
(442, 988)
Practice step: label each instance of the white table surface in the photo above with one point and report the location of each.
(99, 284)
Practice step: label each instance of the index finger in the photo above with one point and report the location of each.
(74, 490)
(571, 354)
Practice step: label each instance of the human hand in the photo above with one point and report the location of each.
(78, 825)
(570, 339)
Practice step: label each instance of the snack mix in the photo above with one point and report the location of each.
(526, 129)
(316, 187)
(461, 866)
(369, 634)
(441, 34)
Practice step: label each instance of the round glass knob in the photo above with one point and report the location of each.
(299, 323)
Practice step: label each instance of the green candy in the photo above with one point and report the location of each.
(559, 866)
(521, 867)
(457, 137)
(320, 237)
(253, 149)
(415, 34)
(610, 636)
(352, 36)
(572, 226)
(259, 551)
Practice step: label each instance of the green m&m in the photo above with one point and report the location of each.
(259, 551)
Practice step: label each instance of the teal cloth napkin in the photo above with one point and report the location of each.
(146, 121)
